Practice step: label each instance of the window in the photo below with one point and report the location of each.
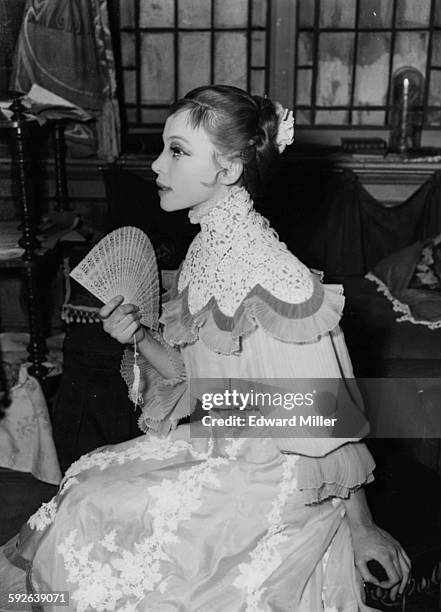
(348, 50)
(331, 60)
(171, 46)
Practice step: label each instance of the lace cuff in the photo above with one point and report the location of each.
(164, 400)
(302, 322)
(337, 474)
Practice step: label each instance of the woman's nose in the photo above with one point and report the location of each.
(156, 165)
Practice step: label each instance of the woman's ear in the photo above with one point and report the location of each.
(232, 170)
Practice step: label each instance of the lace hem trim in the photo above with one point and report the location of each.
(286, 322)
(400, 306)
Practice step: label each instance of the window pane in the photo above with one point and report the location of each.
(303, 117)
(258, 82)
(306, 13)
(127, 13)
(231, 13)
(335, 68)
(435, 88)
(194, 60)
(131, 115)
(413, 13)
(129, 86)
(154, 14)
(154, 115)
(372, 73)
(304, 80)
(436, 49)
(337, 14)
(194, 14)
(433, 118)
(411, 50)
(259, 12)
(258, 48)
(128, 55)
(305, 48)
(230, 58)
(157, 69)
(325, 117)
(368, 117)
(375, 14)
(437, 13)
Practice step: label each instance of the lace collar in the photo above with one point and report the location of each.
(212, 214)
(234, 251)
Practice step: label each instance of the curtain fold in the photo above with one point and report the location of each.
(338, 227)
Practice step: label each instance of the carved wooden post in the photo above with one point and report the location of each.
(28, 241)
(61, 193)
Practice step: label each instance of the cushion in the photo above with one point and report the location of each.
(411, 279)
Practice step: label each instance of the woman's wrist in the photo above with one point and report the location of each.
(357, 511)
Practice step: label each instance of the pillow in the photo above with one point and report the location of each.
(411, 279)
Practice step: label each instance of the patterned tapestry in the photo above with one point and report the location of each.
(65, 46)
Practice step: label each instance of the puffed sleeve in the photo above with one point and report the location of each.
(338, 474)
(163, 400)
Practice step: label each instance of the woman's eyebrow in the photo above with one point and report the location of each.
(181, 138)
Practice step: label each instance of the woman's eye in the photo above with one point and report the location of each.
(177, 151)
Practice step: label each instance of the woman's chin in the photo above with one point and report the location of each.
(165, 203)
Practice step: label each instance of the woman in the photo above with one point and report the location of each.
(181, 519)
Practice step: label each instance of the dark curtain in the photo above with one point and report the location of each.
(332, 223)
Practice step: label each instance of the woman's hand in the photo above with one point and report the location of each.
(370, 542)
(122, 322)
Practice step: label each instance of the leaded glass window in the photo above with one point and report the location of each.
(171, 46)
(348, 50)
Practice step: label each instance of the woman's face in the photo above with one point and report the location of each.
(187, 169)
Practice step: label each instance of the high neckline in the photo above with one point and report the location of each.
(211, 214)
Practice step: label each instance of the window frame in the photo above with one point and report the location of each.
(281, 54)
(283, 62)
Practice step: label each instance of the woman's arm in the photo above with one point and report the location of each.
(123, 323)
(372, 543)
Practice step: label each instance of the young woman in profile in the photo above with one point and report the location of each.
(170, 521)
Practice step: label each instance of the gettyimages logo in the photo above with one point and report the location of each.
(322, 408)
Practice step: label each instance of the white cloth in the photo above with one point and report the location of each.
(26, 443)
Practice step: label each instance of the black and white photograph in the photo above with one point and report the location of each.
(220, 305)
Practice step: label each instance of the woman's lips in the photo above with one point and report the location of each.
(162, 187)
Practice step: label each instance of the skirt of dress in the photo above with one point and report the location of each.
(201, 525)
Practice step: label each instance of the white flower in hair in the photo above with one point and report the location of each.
(285, 133)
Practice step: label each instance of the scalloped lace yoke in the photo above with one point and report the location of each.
(236, 250)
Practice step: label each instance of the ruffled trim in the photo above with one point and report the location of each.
(297, 323)
(337, 474)
(164, 400)
(400, 306)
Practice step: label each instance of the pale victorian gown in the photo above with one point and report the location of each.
(170, 522)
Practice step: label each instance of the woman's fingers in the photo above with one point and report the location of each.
(120, 320)
(366, 574)
(108, 308)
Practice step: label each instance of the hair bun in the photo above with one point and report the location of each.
(267, 122)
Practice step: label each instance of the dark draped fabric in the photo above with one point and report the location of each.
(92, 407)
(332, 223)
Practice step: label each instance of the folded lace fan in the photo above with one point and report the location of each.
(123, 263)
